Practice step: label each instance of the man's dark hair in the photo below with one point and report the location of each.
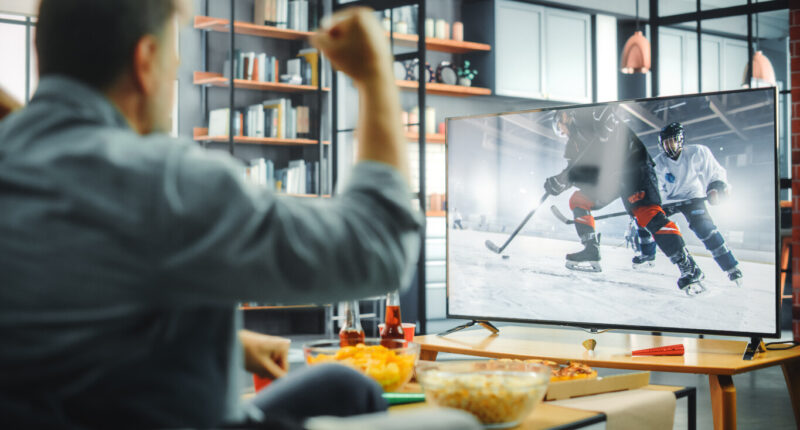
(93, 40)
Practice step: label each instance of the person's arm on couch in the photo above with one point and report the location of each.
(8, 104)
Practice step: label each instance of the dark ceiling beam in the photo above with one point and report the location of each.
(724, 12)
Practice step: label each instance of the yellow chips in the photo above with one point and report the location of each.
(385, 366)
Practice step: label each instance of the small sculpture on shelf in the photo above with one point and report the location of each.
(466, 75)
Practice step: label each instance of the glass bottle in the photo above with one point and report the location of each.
(351, 333)
(393, 328)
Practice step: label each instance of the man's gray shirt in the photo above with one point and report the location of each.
(122, 259)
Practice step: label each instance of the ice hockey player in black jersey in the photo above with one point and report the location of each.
(606, 161)
(689, 175)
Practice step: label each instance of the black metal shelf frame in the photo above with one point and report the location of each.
(420, 54)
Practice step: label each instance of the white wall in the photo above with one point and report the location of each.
(21, 7)
(607, 59)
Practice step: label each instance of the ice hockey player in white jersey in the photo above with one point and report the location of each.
(688, 176)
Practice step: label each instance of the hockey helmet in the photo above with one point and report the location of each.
(671, 140)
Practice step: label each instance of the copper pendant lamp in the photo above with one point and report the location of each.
(636, 54)
(763, 73)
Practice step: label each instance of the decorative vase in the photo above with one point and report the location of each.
(465, 82)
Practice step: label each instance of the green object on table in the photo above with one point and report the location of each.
(402, 398)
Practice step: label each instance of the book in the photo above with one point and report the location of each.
(283, 106)
(260, 15)
(218, 122)
(248, 65)
(239, 69)
(262, 67)
(282, 13)
(311, 56)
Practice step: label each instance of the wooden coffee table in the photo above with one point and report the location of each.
(719, 359)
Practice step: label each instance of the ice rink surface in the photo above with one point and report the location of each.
(534, 284)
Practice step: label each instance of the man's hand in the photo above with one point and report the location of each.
(556, 185)
(356, 44)
(266, 356)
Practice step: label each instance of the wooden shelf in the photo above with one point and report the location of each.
(201, 135)
(445, 90)
(221, 25)
(251, 308)
(413, 136)
(436, 214)
(217, 80)
(441, 45)
(208, 23)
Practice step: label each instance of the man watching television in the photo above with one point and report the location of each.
(124, 252)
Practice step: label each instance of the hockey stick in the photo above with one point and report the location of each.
(568, 221)
(494, 248)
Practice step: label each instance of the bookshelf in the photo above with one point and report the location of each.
(217, 80)
(221, 25)
(219, 40)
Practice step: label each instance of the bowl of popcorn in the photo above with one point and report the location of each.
(390, 363)
(500, 396)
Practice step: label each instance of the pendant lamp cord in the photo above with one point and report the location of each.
(637, 15)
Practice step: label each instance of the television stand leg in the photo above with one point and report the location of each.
(756, 345)
(485, 324)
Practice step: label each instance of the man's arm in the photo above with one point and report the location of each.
(223, 241)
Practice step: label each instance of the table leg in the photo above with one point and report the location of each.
(723, 401)
(791, 370)
(428, 355)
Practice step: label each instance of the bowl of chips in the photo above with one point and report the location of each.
(499, 397)
(390, 363)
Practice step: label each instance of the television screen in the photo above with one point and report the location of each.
(656, 214)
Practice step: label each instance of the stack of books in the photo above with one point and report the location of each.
(289, 14)
(272, 118)
(255, 66)
(299, 177)
(252, 66)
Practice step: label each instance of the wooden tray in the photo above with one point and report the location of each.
(585, 387)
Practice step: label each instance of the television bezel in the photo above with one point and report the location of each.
(605, 326)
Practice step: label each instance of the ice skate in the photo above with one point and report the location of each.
(644, 261)
(735, 275)
(587, 260)
(691, 278)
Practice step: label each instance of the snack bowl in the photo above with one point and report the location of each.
(499, 397)
(390, 367)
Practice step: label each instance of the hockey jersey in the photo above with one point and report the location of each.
(688, 176)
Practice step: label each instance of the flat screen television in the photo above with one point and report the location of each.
(657, 214)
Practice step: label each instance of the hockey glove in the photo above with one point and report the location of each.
(556, 185)
(717, 192)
